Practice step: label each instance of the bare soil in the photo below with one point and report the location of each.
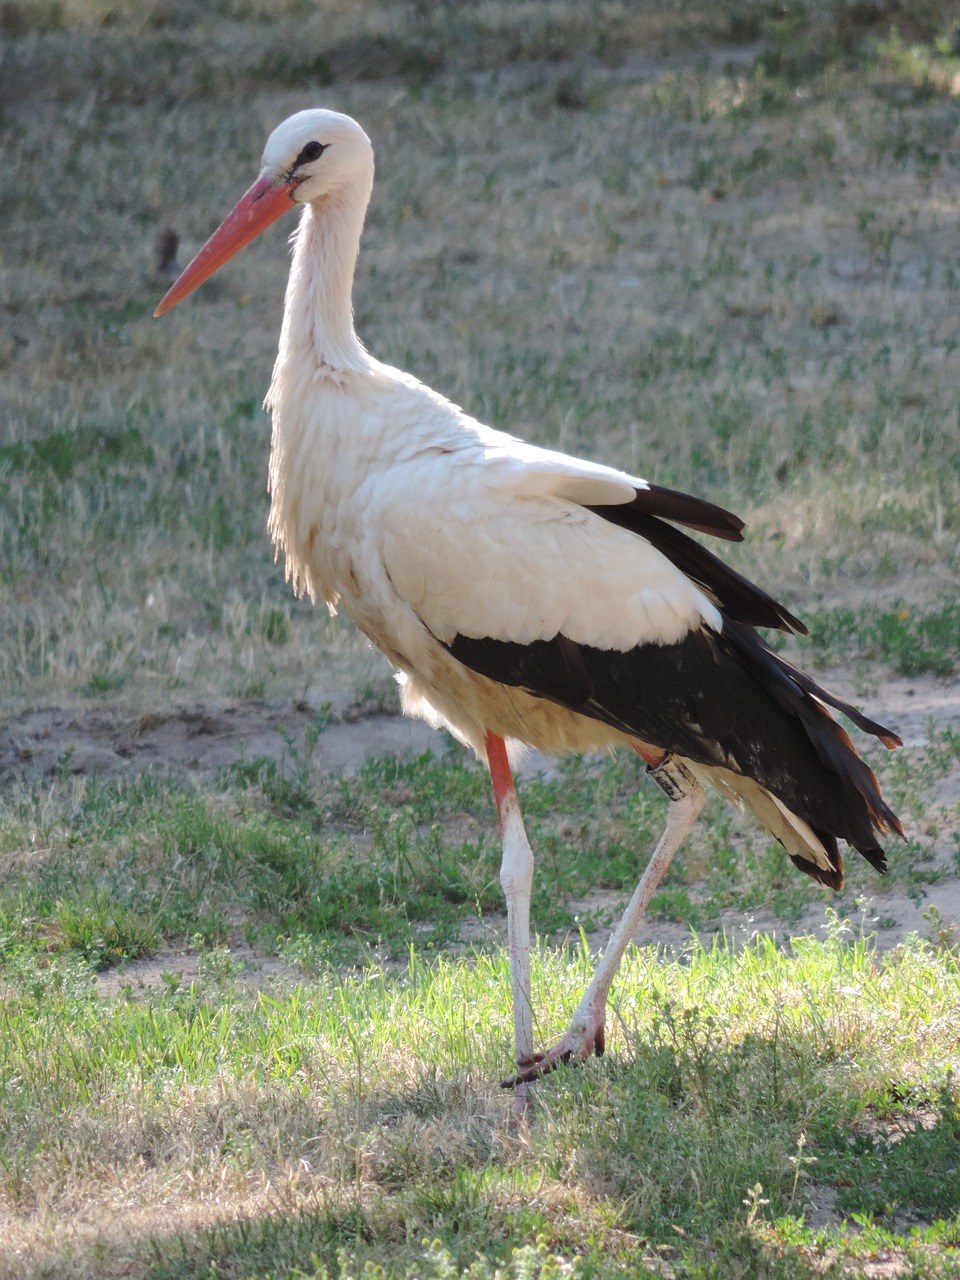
(203, 737)
(197, 740)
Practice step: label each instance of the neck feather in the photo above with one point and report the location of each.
(318, 311)
(318, 347)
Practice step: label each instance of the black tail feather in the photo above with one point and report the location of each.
(800, 695)
(833, 878)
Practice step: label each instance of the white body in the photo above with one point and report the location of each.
(420, 523)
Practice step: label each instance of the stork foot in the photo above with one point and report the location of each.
(575, 1046)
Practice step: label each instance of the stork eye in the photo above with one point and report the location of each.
(312, 151)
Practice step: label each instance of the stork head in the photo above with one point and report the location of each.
(311, 155)
(317, 152)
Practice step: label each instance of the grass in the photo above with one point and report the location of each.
(912, 642)
(121, 865)
(319, 869)
(339, 1108)
(252, 1021)
(355, 1120)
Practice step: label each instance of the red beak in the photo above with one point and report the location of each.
(264, 203)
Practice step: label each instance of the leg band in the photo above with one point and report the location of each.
(673, 778)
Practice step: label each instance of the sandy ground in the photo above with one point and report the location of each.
(202, 738)
(199, 740)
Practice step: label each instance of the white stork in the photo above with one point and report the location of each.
(526, 597)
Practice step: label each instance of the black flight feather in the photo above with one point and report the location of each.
(721, 699)
(682, 508)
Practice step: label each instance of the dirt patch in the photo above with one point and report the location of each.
(199, 740)
(179, 966)
(205, 737)
(890, 1130)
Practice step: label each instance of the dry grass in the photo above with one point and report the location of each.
(732, 274)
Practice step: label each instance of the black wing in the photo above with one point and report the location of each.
(717, 698)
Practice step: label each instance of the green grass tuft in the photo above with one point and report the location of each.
(912, 641)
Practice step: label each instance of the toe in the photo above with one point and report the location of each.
(533, 1066)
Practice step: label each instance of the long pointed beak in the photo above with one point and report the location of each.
(264, 203)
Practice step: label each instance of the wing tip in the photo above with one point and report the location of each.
(876, 857)
(793, 623)
(695, 513)
(832, 879)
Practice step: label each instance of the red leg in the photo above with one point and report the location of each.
(651, 756)
(501, 775)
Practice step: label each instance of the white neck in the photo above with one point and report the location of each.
(318, 311)
(318, 349)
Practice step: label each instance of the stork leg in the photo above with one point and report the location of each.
(516, 878)
(585, 1034)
